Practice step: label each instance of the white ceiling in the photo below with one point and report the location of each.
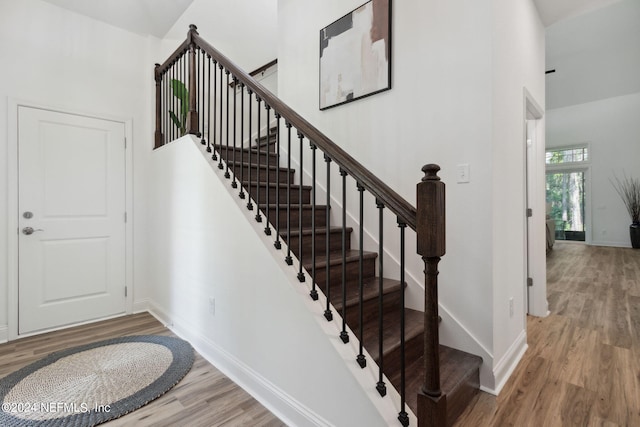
(552, 11)
(145, 17)
(156, 17)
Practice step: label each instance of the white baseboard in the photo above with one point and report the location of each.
(4, 334)
(505, 367)
(284, 406)
(141, 306)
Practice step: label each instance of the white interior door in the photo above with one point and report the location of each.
(71, 201)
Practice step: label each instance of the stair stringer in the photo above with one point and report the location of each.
(294, 384)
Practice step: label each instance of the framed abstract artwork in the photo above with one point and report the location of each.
(355, 55)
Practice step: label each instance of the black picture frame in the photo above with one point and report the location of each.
(355, 55)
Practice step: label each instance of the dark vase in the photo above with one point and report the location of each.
(634, 230)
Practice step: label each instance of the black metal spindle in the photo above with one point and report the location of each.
(220, 165)
(314, 292)
(249, 165)
(173, 101)
(214, 155)
(202, 97)
(288, 258)
(209, 149)
(241, 142)
(267, 227)
(258, 216)
(300, 217)
(344, 336)
(403, 416)
(234, 183)
(200, 91)
(381, 387)
(361, 359)
(226, 153)
(327, 311)
(277, 243)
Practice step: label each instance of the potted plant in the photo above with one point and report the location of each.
(179, 118)
(629, 190)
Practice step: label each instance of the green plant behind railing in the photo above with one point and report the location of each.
(182, 94)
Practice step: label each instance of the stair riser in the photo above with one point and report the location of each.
(335, 242)
(271, 147)
(282, 197)
(306, 218)
(284, 174)
(369, 265)
(414, 348)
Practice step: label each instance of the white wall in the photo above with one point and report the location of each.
(56, 58)
(459, 69)
(518, 63)
(243, 30)
(438, 111)
(265, 333)
(611, 128)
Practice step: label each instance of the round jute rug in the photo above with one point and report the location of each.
(93, 383)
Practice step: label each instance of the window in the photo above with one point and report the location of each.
(566, 184)
(567, 155)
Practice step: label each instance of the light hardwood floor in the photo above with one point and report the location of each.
(204, 397)
(582, 367)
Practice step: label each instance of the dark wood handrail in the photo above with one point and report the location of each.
(397, 204)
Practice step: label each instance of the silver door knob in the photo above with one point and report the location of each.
(30, 230)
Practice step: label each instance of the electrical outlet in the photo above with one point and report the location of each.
(212, 306)
(511, 307)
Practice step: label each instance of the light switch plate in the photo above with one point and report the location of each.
(463, 173)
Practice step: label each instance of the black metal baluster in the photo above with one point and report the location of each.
(314, 291)
(241, 142)
(202, 96)
(267, 227)
(214, 156)
(220, 165)
(209, 149)
(249, 165)
(226, 153)
(288, 258)
(344, 336)
(361, 359)
(200, 92)
(327, 311)
(300, 273)
(258, 216)
(173, 100)
(234, 183)
(381, 387)
(403, 416)
(277, 243)
(185, 77)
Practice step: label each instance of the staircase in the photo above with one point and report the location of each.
(435, 381)
(459, 370)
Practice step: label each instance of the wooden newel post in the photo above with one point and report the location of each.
(192, 117)
(430, 230)
(158, 135)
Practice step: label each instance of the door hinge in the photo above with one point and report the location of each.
(125, 143)
(125, 291)
(125, 217)
(529, 212)
(529, 281)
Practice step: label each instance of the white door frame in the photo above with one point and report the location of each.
(535, 263)
(13, 214)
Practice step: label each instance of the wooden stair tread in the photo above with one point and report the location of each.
(320, 231)
(335, 258)
(414, 326)
(459, 380)
(294, 206)
(253, 149)
(232, 164)
(294, 187)
(370, 288)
